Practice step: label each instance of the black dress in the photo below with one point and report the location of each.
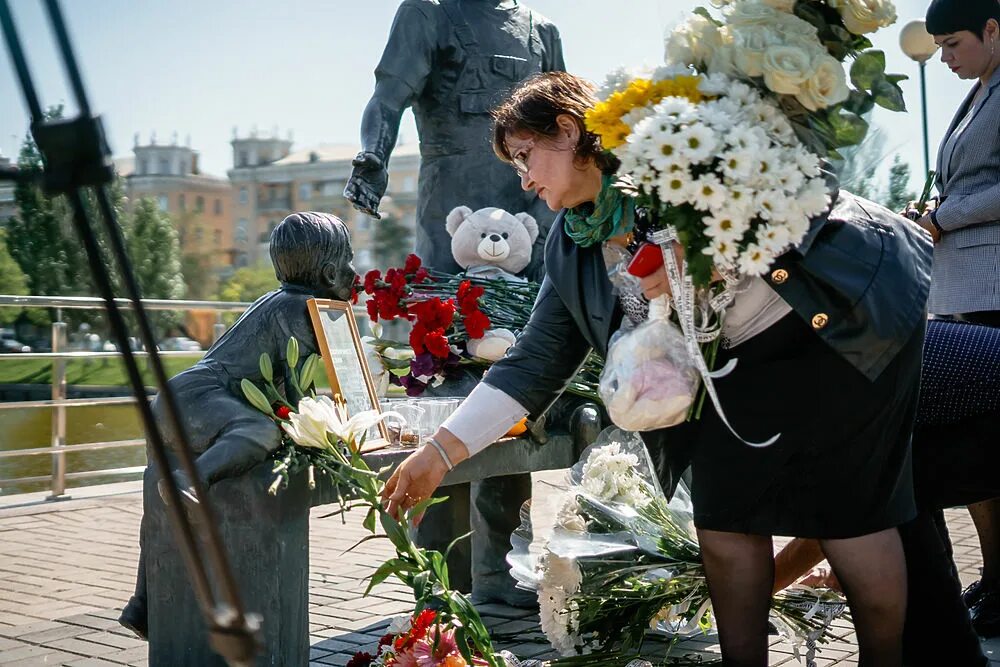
(842, 465)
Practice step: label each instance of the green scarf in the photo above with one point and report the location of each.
(613, 214)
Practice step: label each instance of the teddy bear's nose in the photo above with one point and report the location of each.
(495, 238)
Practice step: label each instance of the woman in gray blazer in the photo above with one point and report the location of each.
(966, 223)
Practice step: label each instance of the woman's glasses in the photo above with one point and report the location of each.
(520, 160)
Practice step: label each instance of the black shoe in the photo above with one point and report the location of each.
(985, 614)
(134, 618)
(973, 592)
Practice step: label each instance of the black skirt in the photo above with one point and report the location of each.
(841, 467)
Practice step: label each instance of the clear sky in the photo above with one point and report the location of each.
(203, 67)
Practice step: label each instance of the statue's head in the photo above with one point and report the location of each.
(313, 250)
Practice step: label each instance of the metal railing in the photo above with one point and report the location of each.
(59, 403)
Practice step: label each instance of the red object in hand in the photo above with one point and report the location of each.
(282, 412)
(648, 258)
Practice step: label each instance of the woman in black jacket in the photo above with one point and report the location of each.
(834, 367)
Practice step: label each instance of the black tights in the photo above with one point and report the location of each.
(740, 573)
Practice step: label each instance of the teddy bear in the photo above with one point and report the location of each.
(491, 243)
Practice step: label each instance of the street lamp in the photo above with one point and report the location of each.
(919, 45)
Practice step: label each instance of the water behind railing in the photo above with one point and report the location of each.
(33, 422)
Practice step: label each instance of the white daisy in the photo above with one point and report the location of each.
(709, 193)
(754, 261)
(700, 142)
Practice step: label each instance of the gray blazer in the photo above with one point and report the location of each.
(966, 276)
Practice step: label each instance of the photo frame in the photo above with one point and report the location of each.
(343, 355)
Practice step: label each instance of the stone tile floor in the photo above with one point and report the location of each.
(67, 568)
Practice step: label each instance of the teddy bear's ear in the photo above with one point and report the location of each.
(529, 224)
(456, 218)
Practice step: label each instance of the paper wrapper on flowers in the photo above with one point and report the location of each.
(649, 381)
(621, 561)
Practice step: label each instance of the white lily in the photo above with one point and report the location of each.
(319, 417)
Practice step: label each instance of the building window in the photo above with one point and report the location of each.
(218, 207)
(164, 166)
(199, 234)
(163, 202)
(244, 196)
(218, 238)
(305, 191)
(199, 204)
(242, 231)
(182, 202)
(143, 168)
(331, 188)
(244, 159)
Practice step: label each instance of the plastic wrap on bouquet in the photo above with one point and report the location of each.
(620, 561)
(649, 380)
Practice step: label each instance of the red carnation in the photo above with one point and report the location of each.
(355, 289)
(417, 336)
(476, 324)
(372, 306)
(361, 659)
(371, 278)
(434, 313)
(437, 343)
(282, 412)
(412, 264)
(421, 275)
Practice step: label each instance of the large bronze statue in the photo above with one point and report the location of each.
(452, 61)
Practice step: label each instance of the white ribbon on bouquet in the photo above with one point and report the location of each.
(707, 329)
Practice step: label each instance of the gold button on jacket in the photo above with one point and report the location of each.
(779, 276)
(820, 320)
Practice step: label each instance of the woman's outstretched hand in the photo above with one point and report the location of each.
(420, 475)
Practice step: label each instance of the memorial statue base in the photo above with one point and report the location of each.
(267, 541)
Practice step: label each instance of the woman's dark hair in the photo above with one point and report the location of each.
(534, 106)
(304, 244)
(948, 16)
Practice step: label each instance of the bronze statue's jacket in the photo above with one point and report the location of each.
(860, 278)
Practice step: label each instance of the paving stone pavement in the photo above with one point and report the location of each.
(67, 568)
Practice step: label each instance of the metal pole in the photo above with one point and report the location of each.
(59, 409)
(923, 102)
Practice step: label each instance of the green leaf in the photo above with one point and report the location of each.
(362, 541)
(889, 95)
(422, 506)
(451, 545)
(896, 78)
(265, 367)
(420, 585)
(859, 102)
(701, 11)
(292, 352)
(370, 518)
(868, 68)
(394, 531)
(256, 397)
(307, 378)
(385, 570)
(849, 129)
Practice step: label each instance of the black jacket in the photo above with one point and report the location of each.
(860, 278)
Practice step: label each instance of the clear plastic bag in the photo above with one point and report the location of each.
(649, 380)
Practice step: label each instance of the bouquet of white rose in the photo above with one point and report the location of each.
(621, 562)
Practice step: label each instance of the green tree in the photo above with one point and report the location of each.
(899, 194)
(43, 241)
(155, 254)
(248, 284)
(392, 243)
(12, 280)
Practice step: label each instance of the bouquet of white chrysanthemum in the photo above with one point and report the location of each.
(621, 562)
(723, 165)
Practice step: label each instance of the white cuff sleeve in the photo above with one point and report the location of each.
(483, 417)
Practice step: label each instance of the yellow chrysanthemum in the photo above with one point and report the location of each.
(605, 119)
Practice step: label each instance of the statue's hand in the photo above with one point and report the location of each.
(367, 183)
(184, 486)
